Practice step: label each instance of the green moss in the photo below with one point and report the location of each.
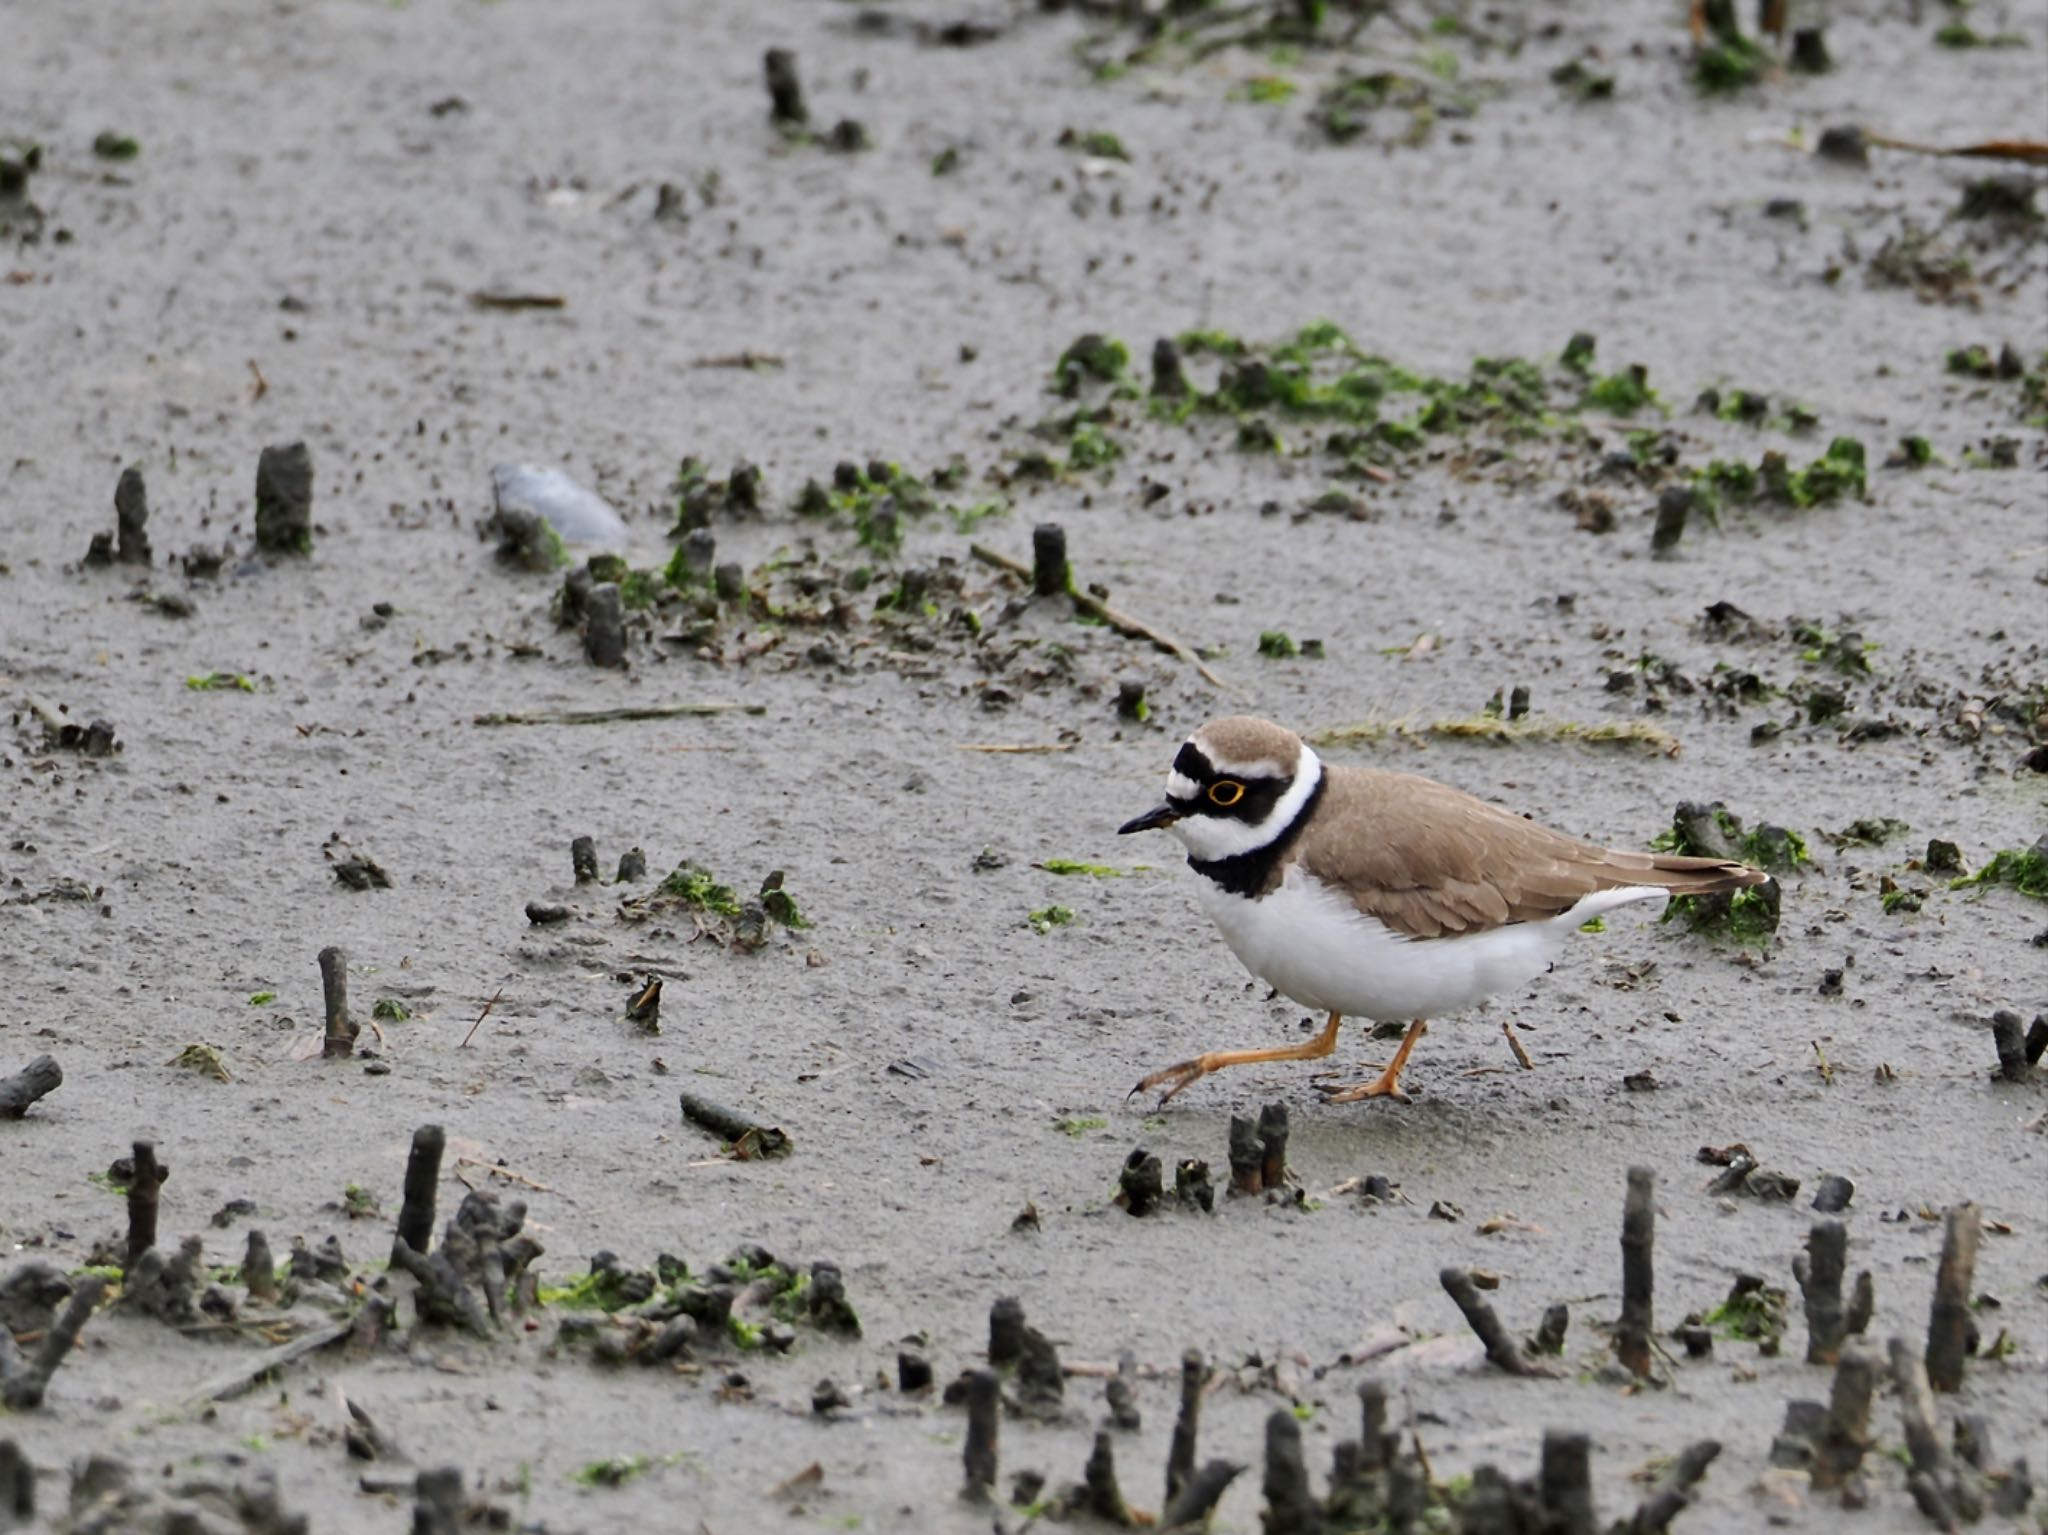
(1277, 645)
(967, 518)
(1754, 1313)
(1973, 362)
(1774, 848)
(1046, 918)
(116, 146)
(1074, 1128)
(1871, 831)
(1218, 343)
(1622, 394)
(781, 905)
(598, 1290)
(1900, 899)
(1090, 447)
(1747, 918)
(1103, 359)
(641, 588)
(1729, 65)
(1836, 473)
(1098, 142)
(1593, 925)
(1267, 89)
(697, 887)
(1076, 866)
(1916, 451)
(1577, 356)
(390, 1010)
(614, 1472)
(358, 1203)
(220, 682)
(2024, 869)
(262, 998)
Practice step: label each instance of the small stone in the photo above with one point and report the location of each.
(1833, 1194)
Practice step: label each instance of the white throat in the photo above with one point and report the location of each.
(1209, 838)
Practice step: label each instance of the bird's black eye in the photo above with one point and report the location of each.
(1225, 792)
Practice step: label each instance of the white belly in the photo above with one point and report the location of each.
(1316, 947)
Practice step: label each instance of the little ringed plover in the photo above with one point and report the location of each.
(1382, 895)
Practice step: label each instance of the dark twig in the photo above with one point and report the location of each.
(1500, 1348)
(1105, 1499)
(1819, 1270)
(1051, 574)
(984, 1423)
(1862, 1304)
(144, 1185)
(2008, 1034)
(22, 1385)
(1949, 1324)
(17, 1485)
(748, 1138)
(1197, 1499)
(1247, 1157)
(1005, 1331)
(1290, 1508)
(1180, 1456)
(38, 1078)
(339, 1042)
(1273, 1145)
(422, 1177)
(1933, 1482)
(1638, 1233)
(1095, 607)
(480, 1017)
(1564, 1483)
(1656, 1512)
(1845, 1433)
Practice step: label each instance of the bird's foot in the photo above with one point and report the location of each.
(1385, 1085)
(1172, 1078)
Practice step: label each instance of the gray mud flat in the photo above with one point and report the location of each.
(295, 254)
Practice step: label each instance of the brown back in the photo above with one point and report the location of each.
(1431, 861)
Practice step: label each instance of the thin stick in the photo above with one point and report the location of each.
(1948, 1325)
(1655, 1513)
(614, 716)
(1027, 748)
(984, 1426)
(37, 1079)
(1564, 1481)
(1638, 1276)
(1500, 1349)
(1290, 1508)
(339, 1042)
(143, 1187)
(2027, 151)
(748, 1137)
(247, 1373)
(1507, 1027)
(422, 1177)
(1105, 1497)
(25, 1390)
(1820, 1279)
(1845, 1436)
(480, 1017)
(1095, 607)
(1191, 1506)
(1180, 1457)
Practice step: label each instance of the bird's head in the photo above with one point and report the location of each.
(1235, 785)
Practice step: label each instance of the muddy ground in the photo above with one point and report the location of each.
(319, 191)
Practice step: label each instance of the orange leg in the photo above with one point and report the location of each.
(1388, 1083)
(1174, 1078)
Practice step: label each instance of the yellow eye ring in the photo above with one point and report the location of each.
(1227, 792)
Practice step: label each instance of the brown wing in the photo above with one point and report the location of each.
(1431, 861)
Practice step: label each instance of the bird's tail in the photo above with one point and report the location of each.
(1682, 875)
